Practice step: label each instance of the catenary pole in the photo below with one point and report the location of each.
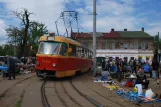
(158, 47)
(94, 37)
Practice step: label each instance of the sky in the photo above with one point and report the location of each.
(117, 14)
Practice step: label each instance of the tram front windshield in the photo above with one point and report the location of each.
(49, 48)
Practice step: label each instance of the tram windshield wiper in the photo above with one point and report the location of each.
(54, 50)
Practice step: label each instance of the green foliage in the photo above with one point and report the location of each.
(36, 30)
(15, 35)
(6, 50)
(1, 51)
(156, 38)
(26, 35)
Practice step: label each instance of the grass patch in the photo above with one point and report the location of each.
(19, 103)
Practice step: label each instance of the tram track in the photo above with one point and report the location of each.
(63, 90)
(43, 96)
(86, 97)
(104, 96)
(66, 93)
(15, 93)
(8, 89)
(64, 96)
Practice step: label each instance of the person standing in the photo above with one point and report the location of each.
(103, 64)
(134, 66)
(155, 66)
(120, 67)
(11, 67)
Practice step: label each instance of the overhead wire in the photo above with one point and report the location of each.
(68, 17)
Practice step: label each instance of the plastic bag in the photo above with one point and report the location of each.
(139, 88)
(135, 90)
(123, 83)
(149, 93)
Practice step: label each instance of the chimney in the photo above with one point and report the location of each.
(125, 29)
(142, 29)
(112, 29)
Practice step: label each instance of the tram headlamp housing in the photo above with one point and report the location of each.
(50, 38)
(54, 65)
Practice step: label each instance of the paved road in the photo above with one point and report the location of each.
(13, 94)
(32, 95)
(78, 91)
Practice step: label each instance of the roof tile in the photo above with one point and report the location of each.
(111, 35)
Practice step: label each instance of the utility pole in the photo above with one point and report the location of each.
(158, 48)
(94, 37)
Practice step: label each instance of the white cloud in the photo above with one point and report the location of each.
(110, 14)
(2, 26)
(155, 27)
(2, 31)
(115, 14)
(44, 11)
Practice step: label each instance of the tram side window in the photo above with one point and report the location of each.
(79, 50)
(86, 53)
(63, 49)
(82, 53)
(90, 55)
(73, 50)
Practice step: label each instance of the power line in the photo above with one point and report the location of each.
(66, 5)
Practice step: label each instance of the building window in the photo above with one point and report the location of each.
(132, 45)
(146, 45)
(117, 45)
(139, 45)
(126, 46)
(110, 45)
(97, 45)
(86, 44)
(103, 45)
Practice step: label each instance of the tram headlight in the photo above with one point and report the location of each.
(54, 65)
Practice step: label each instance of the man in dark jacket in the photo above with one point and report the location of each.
(155, 66)
(11, 67)
(142, 79)
(134, 66)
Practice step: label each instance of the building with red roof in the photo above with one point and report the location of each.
(122, 44)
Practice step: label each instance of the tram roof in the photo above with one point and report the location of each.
(63, 39)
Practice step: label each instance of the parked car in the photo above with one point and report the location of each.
(18, 63)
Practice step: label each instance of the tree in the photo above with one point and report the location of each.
(36, 30)
(27, 34)
(1, 51)
(25, 23)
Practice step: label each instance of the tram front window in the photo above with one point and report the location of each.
(49, 48)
